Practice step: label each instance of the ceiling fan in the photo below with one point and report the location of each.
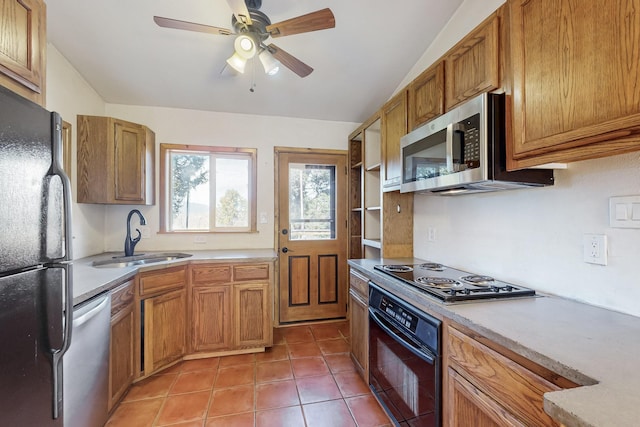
(253, 28)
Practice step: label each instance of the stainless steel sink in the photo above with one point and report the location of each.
(142, 259)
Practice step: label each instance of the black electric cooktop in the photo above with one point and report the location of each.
(451, 285)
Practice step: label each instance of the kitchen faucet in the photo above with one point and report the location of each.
(129, 243)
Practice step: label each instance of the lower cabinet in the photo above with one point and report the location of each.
(231, 307)
(121, 349)
(484, 387)
(359, 323)
(162, 296)
(252, 315)
(164, 329)
(211, 318)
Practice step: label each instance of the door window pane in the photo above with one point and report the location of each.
(312, 203)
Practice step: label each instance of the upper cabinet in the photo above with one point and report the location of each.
(575, 80)
(115, 162)
(426, 95)
(393, 121)
(471, 66)
(22, 48)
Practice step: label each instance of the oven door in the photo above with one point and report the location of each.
(402, 374)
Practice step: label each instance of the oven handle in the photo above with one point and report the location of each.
(404, 340)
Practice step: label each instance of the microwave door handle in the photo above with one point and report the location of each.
(449, 147)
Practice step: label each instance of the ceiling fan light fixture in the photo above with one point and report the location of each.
(245, 46)
(237, 62)
(269, 63)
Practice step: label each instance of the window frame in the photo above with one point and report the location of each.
(165, 180)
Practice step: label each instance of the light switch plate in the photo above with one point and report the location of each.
(624, 212)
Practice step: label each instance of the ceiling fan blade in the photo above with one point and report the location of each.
(190, 26)
(239, 9)
(319, 20)
(289, 61)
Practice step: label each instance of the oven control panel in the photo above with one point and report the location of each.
(402, 316)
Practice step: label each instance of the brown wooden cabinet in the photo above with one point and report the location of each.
(359, 322)
(115, 162)
(575, 80)
(211, 318)
(23, 48)
(163, 317)
(121, 350)
(374, 213)
(485, 387)
(231, 307)
(251, 309)
(393, 120)
(472, 65)
(426, 96)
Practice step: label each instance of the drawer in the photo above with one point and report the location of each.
(171, 278)
(507, 382)
(211, 274)
(250, 272)
(360, 284)
(121, 297)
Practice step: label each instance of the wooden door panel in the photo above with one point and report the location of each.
(129, 149)
(328, 279)
(211, 329)
(298, 284)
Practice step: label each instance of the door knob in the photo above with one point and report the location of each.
(285, 231)
(285, 250)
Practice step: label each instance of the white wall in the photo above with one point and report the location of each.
(69, 94)
(533, 237)
(178, 126)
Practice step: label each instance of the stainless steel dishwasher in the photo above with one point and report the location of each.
(86, 365)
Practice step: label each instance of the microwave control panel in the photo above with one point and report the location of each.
(469, 133)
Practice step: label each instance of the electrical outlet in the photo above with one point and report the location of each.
(595, 249)
(431, 234)
(199, 239)
(145, 231)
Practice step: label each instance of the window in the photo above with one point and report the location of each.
(207, 189)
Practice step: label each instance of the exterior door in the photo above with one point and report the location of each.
(312, 234)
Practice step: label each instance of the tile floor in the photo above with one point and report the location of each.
(306, 379)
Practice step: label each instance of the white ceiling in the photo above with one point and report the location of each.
(128, 59)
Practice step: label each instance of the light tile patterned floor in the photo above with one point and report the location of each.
(306, 379)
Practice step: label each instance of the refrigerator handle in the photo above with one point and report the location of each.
(56, 170)
(66, 338)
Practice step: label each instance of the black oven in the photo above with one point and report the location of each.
(404, 360)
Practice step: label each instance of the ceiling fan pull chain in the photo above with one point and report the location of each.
(253, 75)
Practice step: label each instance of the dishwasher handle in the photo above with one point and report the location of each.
(85, 313)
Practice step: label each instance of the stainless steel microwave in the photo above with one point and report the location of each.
(463, 151)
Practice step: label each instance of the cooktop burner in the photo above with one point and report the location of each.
(438, 282)
(450, 285)
(397, 268)
(478, 280)
(432, 266)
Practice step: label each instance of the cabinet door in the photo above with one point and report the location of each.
(468, 406)
(426, 95)
(575, 76)
(359, 333)
(164, 329)
(121, 362)
(22, 47)
(471, 67)
(129, 145)
(394, 127)
(212, 318)
(252, 315)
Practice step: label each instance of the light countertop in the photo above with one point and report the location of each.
(89, 281)
(586, 344)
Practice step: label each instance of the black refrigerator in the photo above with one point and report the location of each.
(36, 298)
